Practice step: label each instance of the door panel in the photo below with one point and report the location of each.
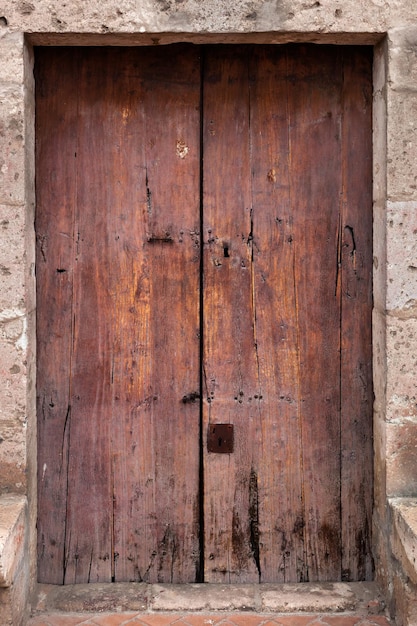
(314, 119)
(263, 153)
(273, 197)
(118, 268)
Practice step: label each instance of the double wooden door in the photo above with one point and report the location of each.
(203, 313)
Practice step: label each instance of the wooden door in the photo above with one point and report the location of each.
(149, 341)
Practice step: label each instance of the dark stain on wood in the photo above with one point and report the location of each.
(254, 520)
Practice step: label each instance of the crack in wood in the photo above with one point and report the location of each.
(67, 482)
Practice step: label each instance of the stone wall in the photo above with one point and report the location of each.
(389, 25)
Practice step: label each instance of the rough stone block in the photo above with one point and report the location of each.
(14, 565)
(13, 511)
(402, 258)
(202, 597)
(12, 460)
(379, 131)
(12, 145)
(404, 534)
(402, 145)
(13, 343)
(380, 69)
(11, 54)
(12, 257)
(379, 436)
(403, 58)
(216, 16)
(6, 607)
(379, 258)
(402, 364)
(379, 359)
(404, 601)
(13, 399)
(94, 597)
(12, 457)
(308, 597)
(380, 543)
(401, 459)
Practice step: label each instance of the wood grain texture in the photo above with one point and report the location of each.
(273, 201)
(315, 182)
(135, 336)
(356, 318)
(168, 524)
(54, 272)
(264, 154)
(230, 368)
(274, 207)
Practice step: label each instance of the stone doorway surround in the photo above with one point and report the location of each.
(388, 25)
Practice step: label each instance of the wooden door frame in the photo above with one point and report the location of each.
(264, 38)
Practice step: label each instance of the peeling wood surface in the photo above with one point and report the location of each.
(263, 153)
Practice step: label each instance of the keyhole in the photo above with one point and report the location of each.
(226, 250)
(220, 441)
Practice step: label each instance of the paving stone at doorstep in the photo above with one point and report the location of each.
(197, 597)
(309, 598)
(93, 598)
(230, 619)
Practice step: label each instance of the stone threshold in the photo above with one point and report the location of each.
(357, 598)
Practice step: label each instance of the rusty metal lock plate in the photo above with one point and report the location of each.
(220, 438)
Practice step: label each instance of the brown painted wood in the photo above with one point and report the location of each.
(281, 190)
(132, 350)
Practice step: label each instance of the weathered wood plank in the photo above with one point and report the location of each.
(314, 85)
(55, 241)
(89, 524)
(279, 466)
(231, 388)
(356, 313)
(312, 296)
(161, 503)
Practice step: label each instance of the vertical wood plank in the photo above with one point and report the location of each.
(88, 547)
(279, 454)
(55, 240)
(230, 384)
(157, 500)
(314, 86)
(356, 322)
